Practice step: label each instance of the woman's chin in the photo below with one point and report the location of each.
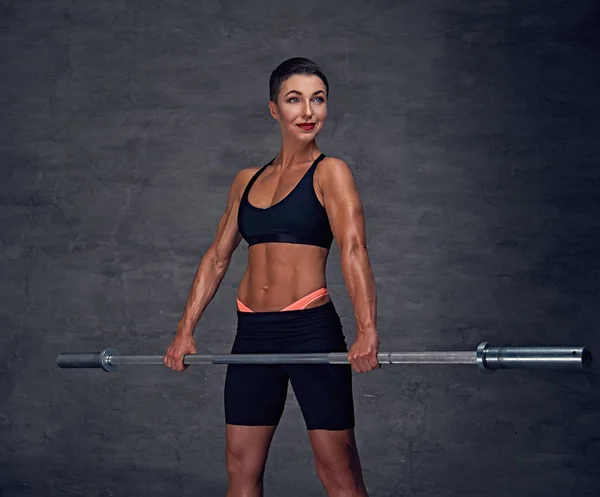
(307, 137)
(302, 137)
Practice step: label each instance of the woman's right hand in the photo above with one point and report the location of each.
(181, 345)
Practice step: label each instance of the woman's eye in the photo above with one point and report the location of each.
(294, 100)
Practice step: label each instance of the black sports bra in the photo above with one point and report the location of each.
(297, 218)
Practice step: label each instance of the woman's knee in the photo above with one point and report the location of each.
(337, 461)
(244, 466)
(340, 475)
(246, 451)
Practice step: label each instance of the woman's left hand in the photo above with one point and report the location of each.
(363, 353)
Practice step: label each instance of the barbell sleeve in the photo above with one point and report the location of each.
(487, 357)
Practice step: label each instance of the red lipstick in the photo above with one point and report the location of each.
(306, 126)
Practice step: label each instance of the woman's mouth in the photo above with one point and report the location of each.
(306, 126)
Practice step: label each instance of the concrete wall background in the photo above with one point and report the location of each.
(471, 128)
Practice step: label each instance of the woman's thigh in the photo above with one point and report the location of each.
(324, 393)
(255, 394)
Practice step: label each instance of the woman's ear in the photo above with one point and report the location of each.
(273, 109)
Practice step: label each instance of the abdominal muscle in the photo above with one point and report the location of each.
(278, 274)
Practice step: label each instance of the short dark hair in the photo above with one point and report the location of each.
(295, 65)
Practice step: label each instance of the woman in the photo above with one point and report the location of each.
(289, 211)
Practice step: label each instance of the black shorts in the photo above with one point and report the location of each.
(255, 394)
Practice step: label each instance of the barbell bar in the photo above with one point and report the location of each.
(487, 357)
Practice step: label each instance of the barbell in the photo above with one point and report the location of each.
(487, 357)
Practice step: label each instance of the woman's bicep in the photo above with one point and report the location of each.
(343, 205)
(228, 236)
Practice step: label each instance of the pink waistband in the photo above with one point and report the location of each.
(301, 303)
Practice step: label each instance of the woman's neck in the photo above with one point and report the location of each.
(292, 153)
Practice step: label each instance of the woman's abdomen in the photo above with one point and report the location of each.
(278, 274)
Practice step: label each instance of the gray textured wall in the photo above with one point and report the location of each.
(472, 129)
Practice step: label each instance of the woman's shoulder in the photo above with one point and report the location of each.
(332, 166)
(248, 171)
(334, 161)
(243, 177)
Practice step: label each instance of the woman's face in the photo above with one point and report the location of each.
(301, 107)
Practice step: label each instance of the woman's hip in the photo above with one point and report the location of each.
(317, 329)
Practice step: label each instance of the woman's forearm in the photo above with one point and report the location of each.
(356, 270)
(206, 282)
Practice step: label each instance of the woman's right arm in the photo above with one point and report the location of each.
(209, 275)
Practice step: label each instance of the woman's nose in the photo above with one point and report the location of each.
(307, 110)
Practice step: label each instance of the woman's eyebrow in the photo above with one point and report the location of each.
(300, 93)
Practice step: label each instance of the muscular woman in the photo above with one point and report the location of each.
(289, 211)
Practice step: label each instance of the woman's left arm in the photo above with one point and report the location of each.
(347, 220)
